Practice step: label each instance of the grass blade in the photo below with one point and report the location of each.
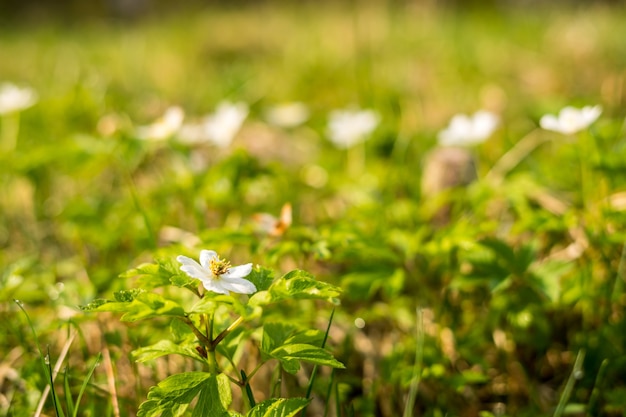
(69, 403)
(328, 393)
(314, 372)
(85, 382)
(569, 386)
(417, 367)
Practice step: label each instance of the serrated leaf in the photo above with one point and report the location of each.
(166, 347)
(215, 398)
(180, 331)
(95, 305)
(173, 394)
(309, 336)
(279, 407)
(147, 305)
(275, 335)
(126, 296)
(164, 272)
(262, 278)
(297, 285)
(287, 354)
(210, 302)
(149, 276)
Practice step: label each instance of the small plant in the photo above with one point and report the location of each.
(207, 325)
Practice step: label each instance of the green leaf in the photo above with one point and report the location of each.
(215, 398)
(548, 277)
(296, 285)
(126, 296)
(279, 407)
(166, 347)
(288, 354)
(309, 336)
(144, 305)
(180, 331)
(262, 278)
(210, 302)
(173, 395)
(147, 305)
(275, 335)
(228, 347)
(164, 272)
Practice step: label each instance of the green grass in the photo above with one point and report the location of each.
(520, 277)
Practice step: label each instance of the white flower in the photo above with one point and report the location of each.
(571, 120)
(218, 128)
(216, 274)
(465, 130)
(166, 126)
(14, 98)
(346, 128)
(287, 115)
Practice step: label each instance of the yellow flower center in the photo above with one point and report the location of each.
(219, 266)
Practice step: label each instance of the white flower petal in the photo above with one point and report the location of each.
(464, 130)
(193, 268)
(238, 271)
(237, 285)
(14, 98)
(215, 286)
(591, 114)
(550, 122)
(347, 128)
(206, 256)
(570, 119)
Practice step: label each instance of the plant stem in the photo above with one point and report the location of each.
(569, 386)
(314, 372)
(247, 389)
(201, 337)
(10, 132)
(212, 361)
(515, 155)
(417, 367)
(225, 332)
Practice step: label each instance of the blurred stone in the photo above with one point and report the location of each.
(446, 168)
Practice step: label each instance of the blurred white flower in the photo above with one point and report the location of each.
(14, 98)
(465, 130)
(164, 127)
(571, 120)
(218, 128)
(287, 115)
(216, 274)
(346, 128)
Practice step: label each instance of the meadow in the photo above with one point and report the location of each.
(376, 254)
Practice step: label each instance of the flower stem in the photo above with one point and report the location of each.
(10, 131)
(515, 155)
(201, 337)
(225, 332)
(212, 361)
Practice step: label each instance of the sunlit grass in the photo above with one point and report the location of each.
(513, 273)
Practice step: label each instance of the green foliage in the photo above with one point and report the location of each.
(514, 272)
(296, 285)
(289, 346)
(280, 407)
(171, 397)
